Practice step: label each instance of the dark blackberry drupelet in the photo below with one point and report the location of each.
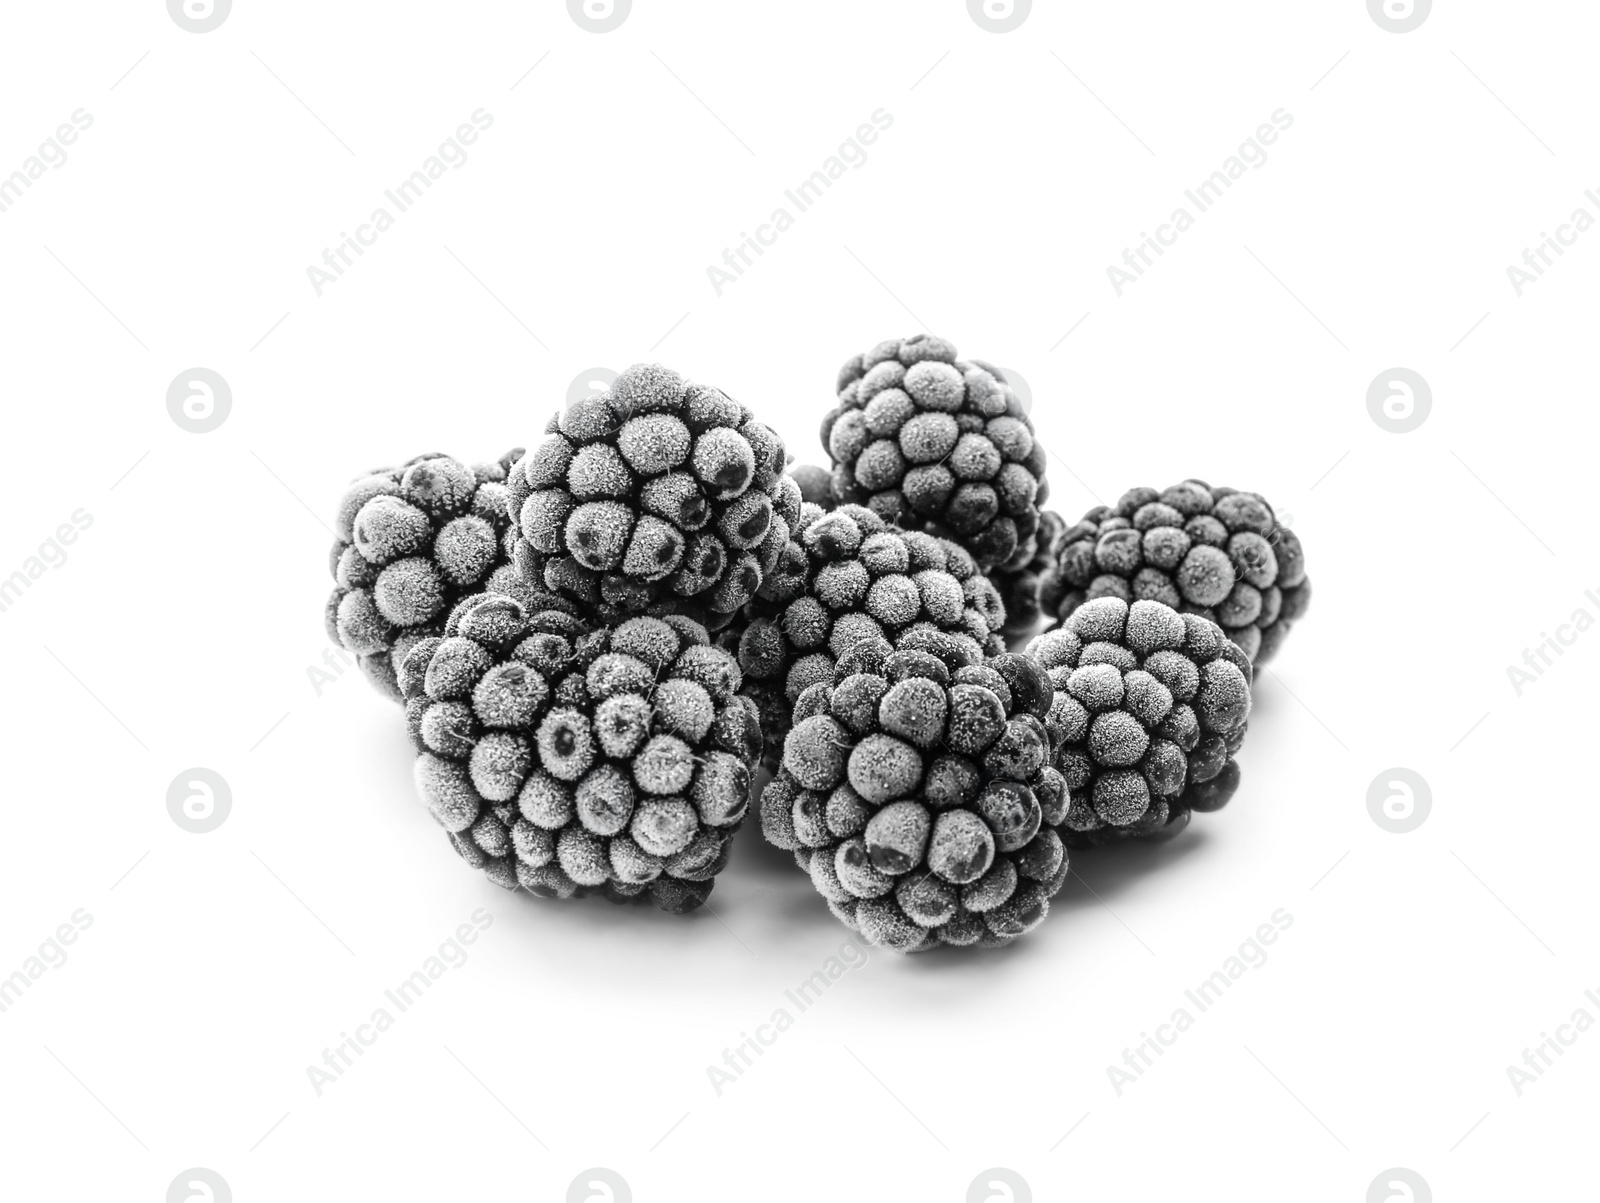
(410, 542)
(656, 496)
(1150, 706)
(854, 577)
(920, 797)
(931, 441)
(816, 485)
(569, 760)
(1216, 552)
(1019, 577)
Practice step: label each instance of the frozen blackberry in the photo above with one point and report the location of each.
(922, 799)
(853, 579)
(1150, 705)
(930, 441)
(569, 760)
(1216, 552)
(410, 542)
(816, 485)
(1018, 578)
(656, 496)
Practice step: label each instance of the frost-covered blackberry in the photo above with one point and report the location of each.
(855, 577)
(1019, 577)
(1150, 706)
(657, 495)
(928, 440)
(1216, 552)
(409, 542)
(919, 795)
(816, 485)
(569, 760)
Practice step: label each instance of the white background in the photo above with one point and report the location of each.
(180, 630)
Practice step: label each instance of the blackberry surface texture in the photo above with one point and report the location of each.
(1019, 577)
(930, 441)
(1217, 552)
(410, 542)
(658, 495)
(1150, 706)
(565, 759)
(920, 797)
(816, 485)
(853, 577)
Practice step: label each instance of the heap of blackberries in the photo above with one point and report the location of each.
(603, 643)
